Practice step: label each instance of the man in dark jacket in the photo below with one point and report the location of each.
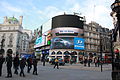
(29, 64)
(35, 66)
(22, 66)
(1, 63)
(16, 63)
(9, 63)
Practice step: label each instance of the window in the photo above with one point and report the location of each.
(59, 52)
(66, 53)
(53, 53)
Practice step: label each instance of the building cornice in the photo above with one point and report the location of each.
(10, 25)
(10, 31)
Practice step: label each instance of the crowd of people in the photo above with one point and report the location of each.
(88, 61)
(18, 64)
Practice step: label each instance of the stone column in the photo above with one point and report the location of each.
(77, 57)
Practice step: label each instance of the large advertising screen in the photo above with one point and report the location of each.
(40, 41)
(67, 43)
(62, 43)
(67, 20)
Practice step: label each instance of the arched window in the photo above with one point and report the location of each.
(66, 53)
(53, 53)
(59, 52)
(10, 40)
(74, 53)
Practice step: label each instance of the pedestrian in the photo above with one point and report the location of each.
(16, 63)
(35, 66)
(85, 61)
(29, 64)
(56, 63)
(2, 59)
(98, 61)
(22, 66)
(95, 61)
(89, 61)
(71, 61)
(43, 59)
(9, 63)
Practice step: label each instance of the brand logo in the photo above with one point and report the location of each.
(79, 42)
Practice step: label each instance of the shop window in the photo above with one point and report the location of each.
(66, 53)
(59, 52)
(74, 53)
(53, 52)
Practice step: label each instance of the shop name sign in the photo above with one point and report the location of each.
(79, 43)
(66, 31)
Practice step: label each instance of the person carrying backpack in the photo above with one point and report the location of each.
(56, 63)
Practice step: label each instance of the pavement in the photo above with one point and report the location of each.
(67, 72)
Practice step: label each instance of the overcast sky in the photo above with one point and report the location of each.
(37, 12)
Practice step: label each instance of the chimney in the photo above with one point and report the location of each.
(20, 20)
(5, 19)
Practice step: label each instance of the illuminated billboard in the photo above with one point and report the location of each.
(45, 39)
(40, 41)
(67, 43)
(79, 43)
(62, 43)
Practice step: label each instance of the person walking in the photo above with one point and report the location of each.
(98, 61)
(2, 59)
(29, 64)
(71, 61)
(22, 66)
(85, 61)
(89, 61)
(95, 61)
(35, 66)
(16, 63)
(56, 63)
(9, 63)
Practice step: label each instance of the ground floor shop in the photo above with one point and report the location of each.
(66, 55)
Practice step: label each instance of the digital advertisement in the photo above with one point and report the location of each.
(67, 43)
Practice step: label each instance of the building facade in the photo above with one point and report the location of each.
(68, 28)
(12, 35)
(95, 35)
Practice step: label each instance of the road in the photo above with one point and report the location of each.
(67, 72)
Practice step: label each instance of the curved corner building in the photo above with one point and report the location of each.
(67, 37)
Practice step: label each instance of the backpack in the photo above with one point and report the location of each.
(56, 60)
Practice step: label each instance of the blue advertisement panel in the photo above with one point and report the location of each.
(38, 40)
(79, 43)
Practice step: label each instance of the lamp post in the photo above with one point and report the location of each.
(111, 46)
(101, 51)
(116, 64)
(44, 54)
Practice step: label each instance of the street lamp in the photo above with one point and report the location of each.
(116, 64)
(44, 54)
(101, 51)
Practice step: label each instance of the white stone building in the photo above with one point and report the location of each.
(13, 36)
